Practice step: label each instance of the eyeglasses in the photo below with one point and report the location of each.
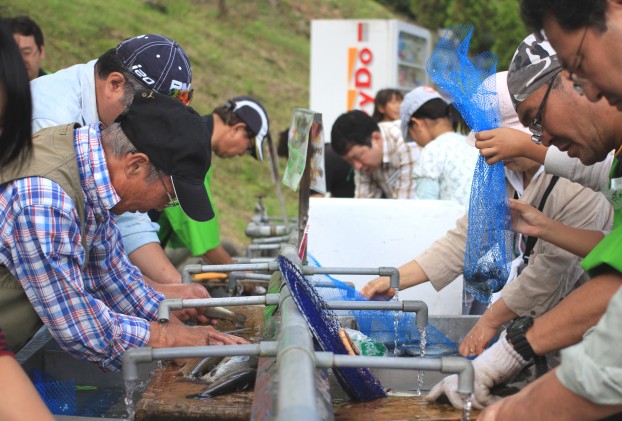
(536, 127)
(577, 82)
(172, 201)
(183, 95)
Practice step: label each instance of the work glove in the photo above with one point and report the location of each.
(494, 366)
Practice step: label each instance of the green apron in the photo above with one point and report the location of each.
(54, 158)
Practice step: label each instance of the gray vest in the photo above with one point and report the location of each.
(54, 158)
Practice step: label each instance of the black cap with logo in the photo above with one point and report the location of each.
(177, 142)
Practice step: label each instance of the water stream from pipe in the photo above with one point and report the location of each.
(130, 387)
(395, 324)
(422, 346)
(466, 409)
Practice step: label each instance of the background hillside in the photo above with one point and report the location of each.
(260, 48)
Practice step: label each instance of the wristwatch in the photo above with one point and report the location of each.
(515, 334)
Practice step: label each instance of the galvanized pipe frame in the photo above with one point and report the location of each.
(288, 349)
(392, 272)
(296, 357)
(418, 307)
(189, 270)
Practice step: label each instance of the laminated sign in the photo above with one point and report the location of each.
(306, 135)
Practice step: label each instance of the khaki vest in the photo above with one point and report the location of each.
(54, 158)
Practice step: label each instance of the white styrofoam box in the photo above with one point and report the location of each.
(384, 232)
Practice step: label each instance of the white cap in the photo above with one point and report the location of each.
(412, 102)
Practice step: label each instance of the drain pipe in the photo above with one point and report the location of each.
(164, 310)
(134, 356)
(454, 365)
(391, 272)
(295, 358)
(188, 270)
(418, 307)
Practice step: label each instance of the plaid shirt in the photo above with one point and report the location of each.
(95, 313)
(395, 177)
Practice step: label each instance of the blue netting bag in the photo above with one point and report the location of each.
(469, 83)
(394, 329)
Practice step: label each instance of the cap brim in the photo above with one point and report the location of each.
(405, 134)
(258, 153)
(193, 199)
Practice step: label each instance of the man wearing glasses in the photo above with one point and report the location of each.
(99, 91)
(588, 380)
(548, 103)
(61, 256)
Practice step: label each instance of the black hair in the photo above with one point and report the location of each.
(226, 114)
(569, 14)
(433, 109)
(108, 63)
(436, 108)
(382, 97)
(27, 27)
(15, 137)
(352, 128)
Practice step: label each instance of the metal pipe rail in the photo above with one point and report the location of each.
(297, 397)
(270, 240)
(134, 356)
(164, 310)
(455, 365)
(188, 270)
(391, 272)
(452, 365)
(418, 307)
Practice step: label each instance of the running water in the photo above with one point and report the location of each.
(466, 409)
(395, 324)
(130, 387)
(422, 344)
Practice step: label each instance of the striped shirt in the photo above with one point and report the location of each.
(94, 313)
(395, 177)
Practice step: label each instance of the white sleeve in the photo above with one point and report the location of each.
(594, 176)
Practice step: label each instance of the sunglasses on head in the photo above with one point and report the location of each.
(183, 95)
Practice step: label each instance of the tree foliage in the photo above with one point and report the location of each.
(497, 24)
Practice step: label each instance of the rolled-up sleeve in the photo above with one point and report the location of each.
(443, 261)
(592, 369)
(137, 230)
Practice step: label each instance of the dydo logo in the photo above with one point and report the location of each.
(359, 71)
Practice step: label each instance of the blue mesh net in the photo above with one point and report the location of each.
(469, 83)
(59, 396)
(383, 326)
(359, 383)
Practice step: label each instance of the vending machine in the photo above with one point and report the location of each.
(353, 59)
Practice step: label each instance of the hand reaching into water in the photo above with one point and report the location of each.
(378, 289)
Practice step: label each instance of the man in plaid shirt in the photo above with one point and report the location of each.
(383, 162)
(59, 241)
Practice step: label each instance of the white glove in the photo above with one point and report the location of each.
(494, 366)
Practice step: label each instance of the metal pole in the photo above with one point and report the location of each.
(296, 365)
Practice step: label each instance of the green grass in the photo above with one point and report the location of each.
(257, 49)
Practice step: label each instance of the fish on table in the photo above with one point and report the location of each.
(232, 374)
